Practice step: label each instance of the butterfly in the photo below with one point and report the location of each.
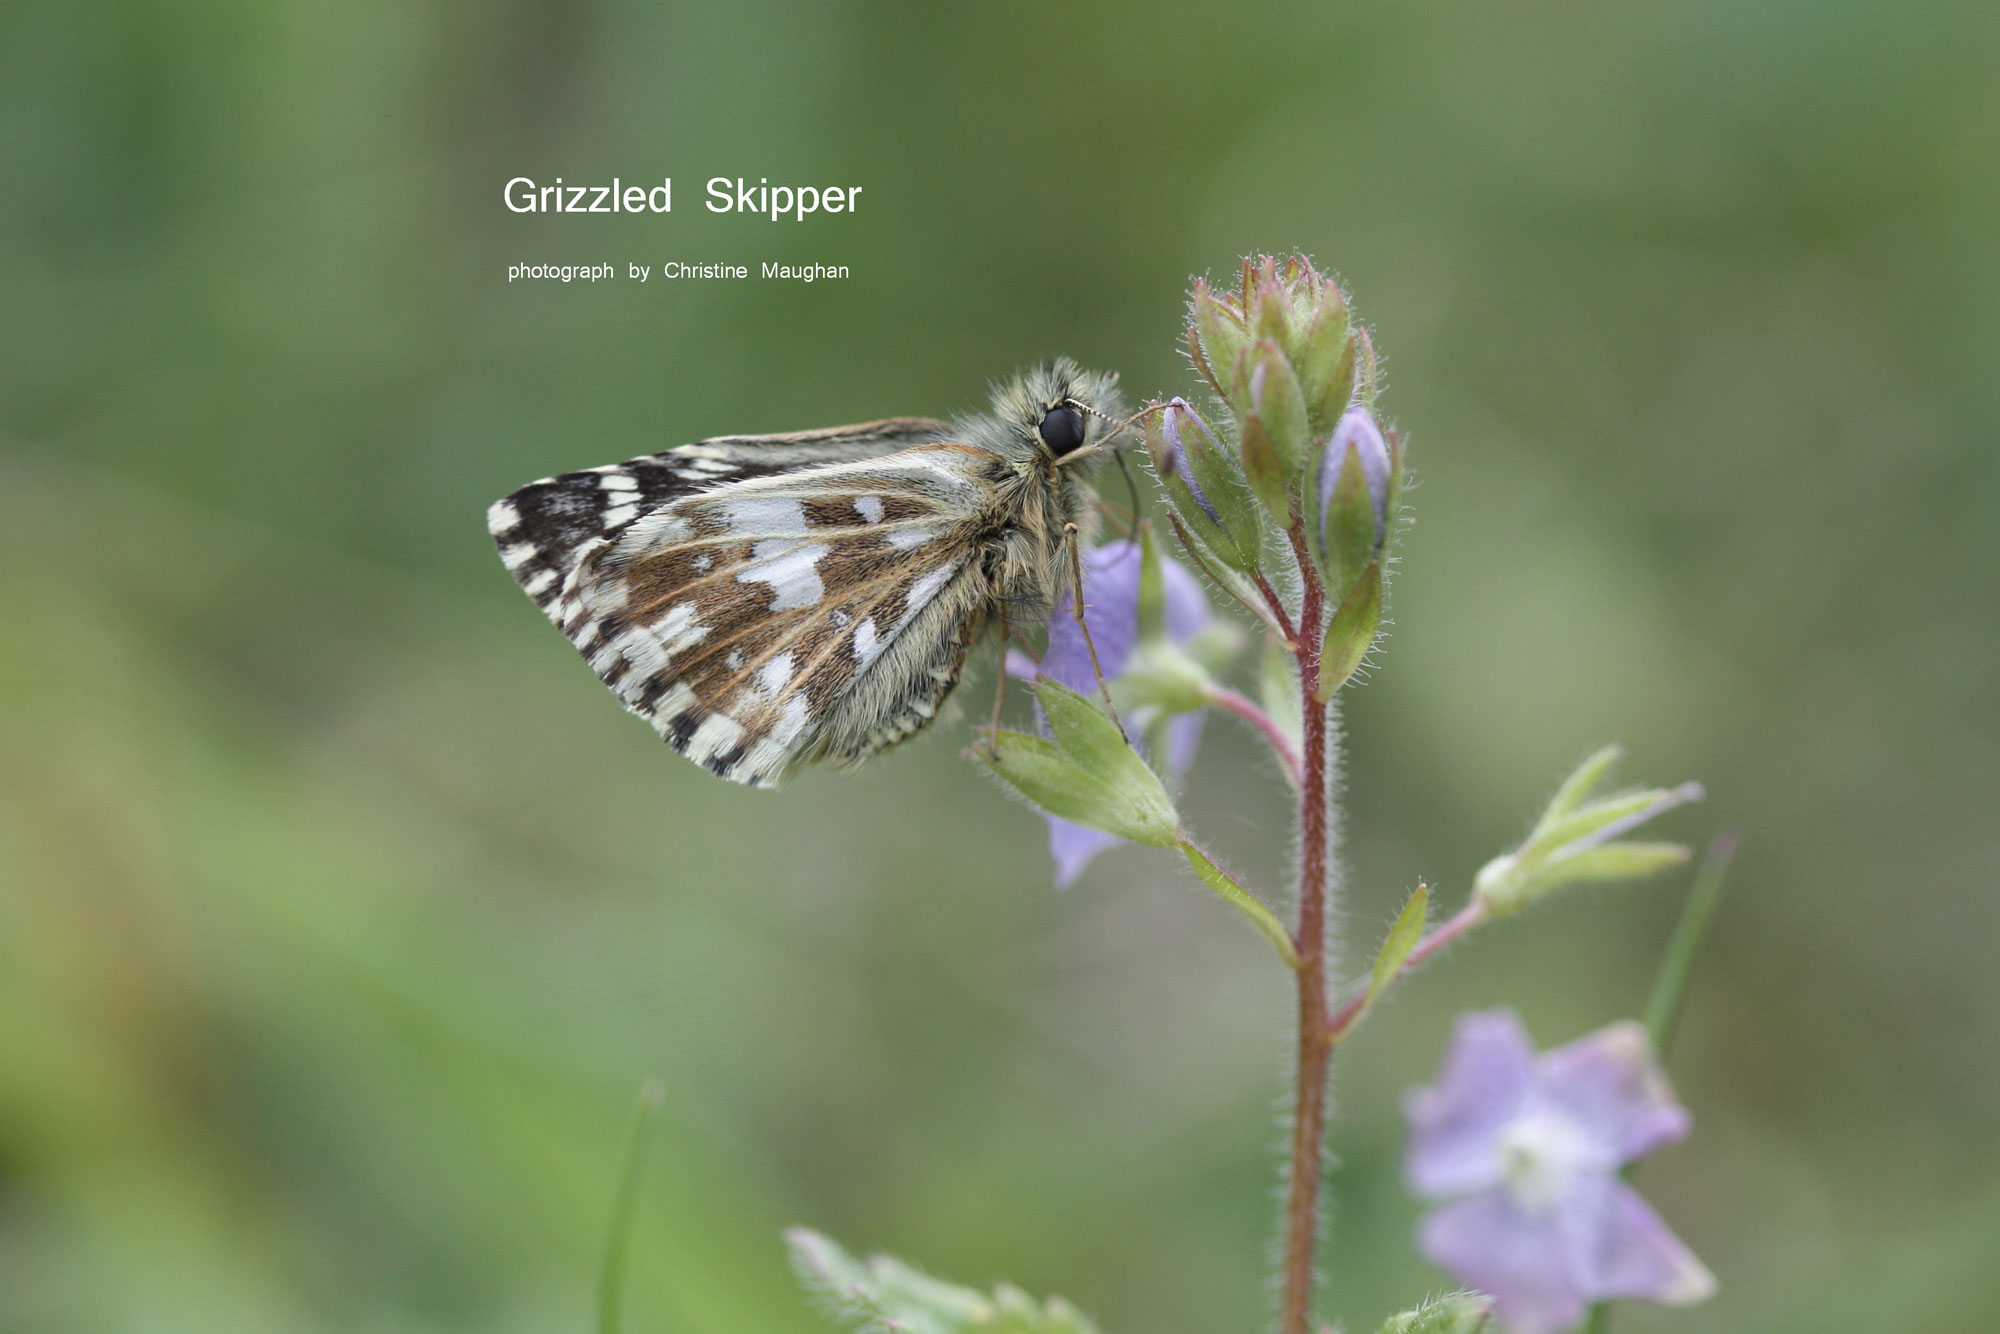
(770, 601)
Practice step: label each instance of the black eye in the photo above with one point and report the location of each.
(1062, 429)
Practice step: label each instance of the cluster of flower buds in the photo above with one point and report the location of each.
(1294, 446)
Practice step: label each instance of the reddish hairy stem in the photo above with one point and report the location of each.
(1315, 1037)
(1277, 604)
(1247, 710)
(1471, 915)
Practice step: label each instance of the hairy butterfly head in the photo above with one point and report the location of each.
(1057, 411)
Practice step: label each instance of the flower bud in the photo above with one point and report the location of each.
(1205, 485)
(1356, 481)
(1272, 412)
(1216, 336)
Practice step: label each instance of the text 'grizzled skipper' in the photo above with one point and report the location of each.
(725, 195)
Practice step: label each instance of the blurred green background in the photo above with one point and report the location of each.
(342, 912)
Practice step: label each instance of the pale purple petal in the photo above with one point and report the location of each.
(1110, 605)
(1619, 1248)
(1521, 1260)
(1609, 1082)
(1073, 846)
(1455, 1124)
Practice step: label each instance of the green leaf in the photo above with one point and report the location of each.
(1459, 1313)
(1350, 633)
(1050, 777)
(883, 1295)
(1402, 938)
(1244, 902)
(1623, 810)
(1579, 784)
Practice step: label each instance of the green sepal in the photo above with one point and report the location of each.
(1265, 470)
(1611, 861)
(1323, 352)
(1163, 678)
(884, 1293)
(1403, 936)
(1243, 901)
(1351, 632)
(1458, 1313)
(1364, 367)
(1218, 337)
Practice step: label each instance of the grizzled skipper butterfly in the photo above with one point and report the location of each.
(766, 601)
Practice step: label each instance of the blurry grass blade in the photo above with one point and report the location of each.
(624, 1208)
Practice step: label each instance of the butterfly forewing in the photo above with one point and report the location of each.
(541, 528)
(817, 613)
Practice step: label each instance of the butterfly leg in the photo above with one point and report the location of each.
(999, 689)
(1090, 645)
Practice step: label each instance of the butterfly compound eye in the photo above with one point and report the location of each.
(1062, 428)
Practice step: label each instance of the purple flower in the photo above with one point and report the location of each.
(1526, 1149)
(1356, 434)
(1111, 606)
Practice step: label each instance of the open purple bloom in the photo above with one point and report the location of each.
(1526, 1150)
(1111, 606)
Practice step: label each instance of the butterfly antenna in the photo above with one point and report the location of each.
(1089, 644)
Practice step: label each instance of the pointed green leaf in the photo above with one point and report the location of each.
(1050, 778)
(1243, 901)
(884, 1295)
(1350, 633)
(1459, 1313)
(1141, 811)
(1402, 938)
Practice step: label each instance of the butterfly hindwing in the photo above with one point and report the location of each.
(541, 528)
(816, 613)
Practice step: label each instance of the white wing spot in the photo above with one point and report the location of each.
(903, 539)
(790, 568)
(702, 562)
(519, 554)
(717, 732)
(764, 516)
(618, 516)
(619, 481)
(924, 590)
(539, 585)
(867, 644)
(869, 508)
(774, 675)
(502, 517)
(735, 660)
(793, 718)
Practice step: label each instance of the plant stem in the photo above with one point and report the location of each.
(1349, 1014)
(1246, 709)
(1314, 1038)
